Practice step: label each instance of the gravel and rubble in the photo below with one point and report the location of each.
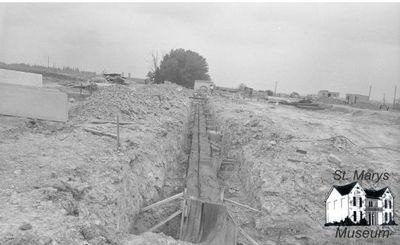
(63, 185)
(286, 160)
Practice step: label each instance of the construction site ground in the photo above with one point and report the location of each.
(283, 167)
(62, 184)
(68, 183)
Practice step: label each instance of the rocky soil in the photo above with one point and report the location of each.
(286, 160)
(63, 185)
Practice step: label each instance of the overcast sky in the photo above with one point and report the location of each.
(305, 47)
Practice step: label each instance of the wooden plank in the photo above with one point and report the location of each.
(247, 236)
(183, 214)
(33, 102)
(179, 195)
(96, 132)
(111, 122)
(165, 221)
(242, 205)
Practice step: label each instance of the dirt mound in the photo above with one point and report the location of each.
(129, 102)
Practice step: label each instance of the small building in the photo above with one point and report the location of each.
(356, 98)
(352, 201)
(284, 95)
(328, 94)
(203, 86)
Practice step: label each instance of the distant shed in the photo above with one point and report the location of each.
(356, 98)
(327, 93)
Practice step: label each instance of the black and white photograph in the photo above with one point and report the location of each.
(210, 123)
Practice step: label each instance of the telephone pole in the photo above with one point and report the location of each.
(48, 61)
(394, 98)
(369, 94)
(276, 85)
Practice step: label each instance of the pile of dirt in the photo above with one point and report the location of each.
(130, 102)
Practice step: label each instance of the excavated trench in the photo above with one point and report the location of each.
(203, 171)
(172, 175)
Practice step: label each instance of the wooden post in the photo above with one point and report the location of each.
(118, 144)
(183, 214)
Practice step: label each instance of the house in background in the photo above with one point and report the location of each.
(356, 98)
(328, 94)
(352, 201)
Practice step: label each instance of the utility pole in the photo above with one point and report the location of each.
(394, 98)
(384, 98)
(369, 95)
(48, 61)
(276, 85)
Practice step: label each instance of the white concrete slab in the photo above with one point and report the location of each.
(33, 102)
(20, 78)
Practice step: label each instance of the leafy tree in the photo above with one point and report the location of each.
(182, 67)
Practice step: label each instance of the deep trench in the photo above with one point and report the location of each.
(148, 219)
(175, 174)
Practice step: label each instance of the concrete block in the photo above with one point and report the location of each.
(33, 102)
(20, 78)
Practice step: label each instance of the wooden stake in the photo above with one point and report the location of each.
(165, 221)
(118, 143)
(179, 195)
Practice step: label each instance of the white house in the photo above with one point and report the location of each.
(345, 201)
(379, 206)
(351, 200)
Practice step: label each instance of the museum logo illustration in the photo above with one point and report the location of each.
(352, 205)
